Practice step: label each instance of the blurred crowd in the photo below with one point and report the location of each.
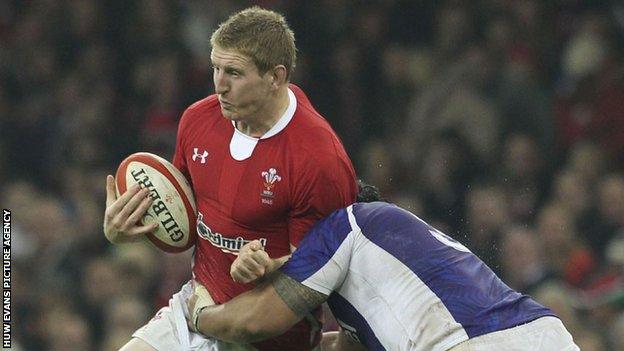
(501, 122)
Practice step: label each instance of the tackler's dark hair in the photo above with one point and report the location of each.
(367, 193)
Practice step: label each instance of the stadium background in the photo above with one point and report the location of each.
(500, 121)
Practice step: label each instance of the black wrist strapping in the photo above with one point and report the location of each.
(196, 320)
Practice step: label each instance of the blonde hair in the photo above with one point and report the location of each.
(261, 34)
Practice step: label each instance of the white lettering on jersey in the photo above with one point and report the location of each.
(226, 244)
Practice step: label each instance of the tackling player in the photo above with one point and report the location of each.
(394, 283)
(263, 164)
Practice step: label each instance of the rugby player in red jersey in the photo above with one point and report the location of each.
(263, 164)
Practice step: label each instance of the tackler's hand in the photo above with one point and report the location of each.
(251, 264)
(196, 304)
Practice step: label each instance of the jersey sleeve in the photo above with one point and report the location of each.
(328, 183)
(179, 158)
(322, 259)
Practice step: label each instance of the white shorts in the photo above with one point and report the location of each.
(168, 330)
(542, 334)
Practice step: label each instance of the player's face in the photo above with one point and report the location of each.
(242, 91)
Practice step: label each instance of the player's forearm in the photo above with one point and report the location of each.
(252, 316)
(234, 324)
(222, 323)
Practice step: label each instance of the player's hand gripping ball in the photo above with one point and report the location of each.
(173, 206)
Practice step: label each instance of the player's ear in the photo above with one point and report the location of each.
(278, 76)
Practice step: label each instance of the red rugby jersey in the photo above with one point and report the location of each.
(271, 189)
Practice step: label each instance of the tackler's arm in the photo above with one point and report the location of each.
(268, 310)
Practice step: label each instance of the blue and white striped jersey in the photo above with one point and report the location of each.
(396, 283)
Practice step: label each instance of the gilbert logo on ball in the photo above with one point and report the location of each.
(174, 204)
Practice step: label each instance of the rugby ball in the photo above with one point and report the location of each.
(174, 204)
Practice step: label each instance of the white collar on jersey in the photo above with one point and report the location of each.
(242, 145)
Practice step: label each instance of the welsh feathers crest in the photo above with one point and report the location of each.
(270, 178)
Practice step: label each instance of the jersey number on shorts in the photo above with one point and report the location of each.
(447, 240)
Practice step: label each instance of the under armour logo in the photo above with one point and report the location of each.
(202, 156)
